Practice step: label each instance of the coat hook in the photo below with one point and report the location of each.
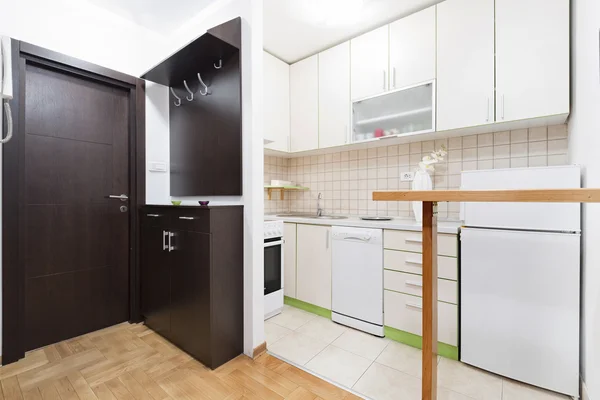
(178, 102)
(220, 64)
(203, 84)
(191, 96)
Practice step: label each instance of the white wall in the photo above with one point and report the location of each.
(79, 29)
(584, 147)
(157, 147)
(90, 33)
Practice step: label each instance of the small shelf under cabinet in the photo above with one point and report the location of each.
(282, 190)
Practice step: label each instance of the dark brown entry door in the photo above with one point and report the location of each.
(76, 240)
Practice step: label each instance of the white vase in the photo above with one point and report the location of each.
(422, 181)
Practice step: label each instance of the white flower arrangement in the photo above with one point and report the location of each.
(427, 165)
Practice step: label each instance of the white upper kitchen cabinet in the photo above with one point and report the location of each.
(465, 63)
(276, 101)
(304, 104)
(334, 96)
(313, 274)
(532, 58)
(412, 49)
(369, 63)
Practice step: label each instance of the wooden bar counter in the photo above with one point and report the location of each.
(430, 198)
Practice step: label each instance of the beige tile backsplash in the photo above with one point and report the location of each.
(347, 179)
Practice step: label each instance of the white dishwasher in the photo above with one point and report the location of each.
(357, 278)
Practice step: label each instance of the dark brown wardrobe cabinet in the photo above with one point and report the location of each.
(205, 113)
(191, 276)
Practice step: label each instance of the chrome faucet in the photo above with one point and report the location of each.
(319, 209)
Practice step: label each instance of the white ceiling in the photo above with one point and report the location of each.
(161, 16)
(295, 29)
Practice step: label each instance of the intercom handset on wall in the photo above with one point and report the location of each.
(6, 88)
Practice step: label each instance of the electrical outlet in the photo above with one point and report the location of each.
(407, 176)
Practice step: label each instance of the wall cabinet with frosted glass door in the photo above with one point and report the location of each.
(402, 112)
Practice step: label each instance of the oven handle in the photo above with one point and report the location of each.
(277, 243)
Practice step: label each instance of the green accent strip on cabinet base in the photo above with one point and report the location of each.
(444, 350)
(311, 308)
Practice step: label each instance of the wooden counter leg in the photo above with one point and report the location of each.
(430, 302)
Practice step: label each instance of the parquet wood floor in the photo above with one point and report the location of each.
(131, 362)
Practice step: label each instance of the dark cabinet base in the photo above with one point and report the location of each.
(192, 279)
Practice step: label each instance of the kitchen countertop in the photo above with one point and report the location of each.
(402, 224)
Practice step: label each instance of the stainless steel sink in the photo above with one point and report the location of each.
(311, 216)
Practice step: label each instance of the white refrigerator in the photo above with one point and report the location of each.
(519, 287)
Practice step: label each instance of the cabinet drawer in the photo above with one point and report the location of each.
(413, 241)
(413, 284)
(191, 220)
(405, 312)
(154, 217)
(413, 263)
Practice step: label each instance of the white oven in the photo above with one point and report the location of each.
(273, 268)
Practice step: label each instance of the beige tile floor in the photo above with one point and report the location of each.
(378, 368)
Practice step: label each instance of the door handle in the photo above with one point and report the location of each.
(416, 262)
(414, 305)
(384, 81)
(153, 215)
(171, 247)
(394, 77)
(409, 240)
(487, 118)
(502, 104)
(327, 240)
(165, 245)
(187, 218)
(122, 197)
(414, 283)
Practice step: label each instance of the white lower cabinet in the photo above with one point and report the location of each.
(405, 312)
(289, 260)
(413, 284)
(313, 276)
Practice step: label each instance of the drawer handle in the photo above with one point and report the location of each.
(409, 240)
(414, 283)
(414, 305)
(416, 262)
(153, 215)
(187, 218)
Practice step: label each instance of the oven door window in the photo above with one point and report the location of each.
(272, 267)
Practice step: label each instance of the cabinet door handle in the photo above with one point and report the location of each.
(384, 81)
(187, 218)
(347, 134)
(487, 118)
(165, 245)
(416, 262)
(171, 247)
(394, 77)
(153, 215)
(414, 283)
(414, 305)
(327, 240)
(410, 240)
(502, 105)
